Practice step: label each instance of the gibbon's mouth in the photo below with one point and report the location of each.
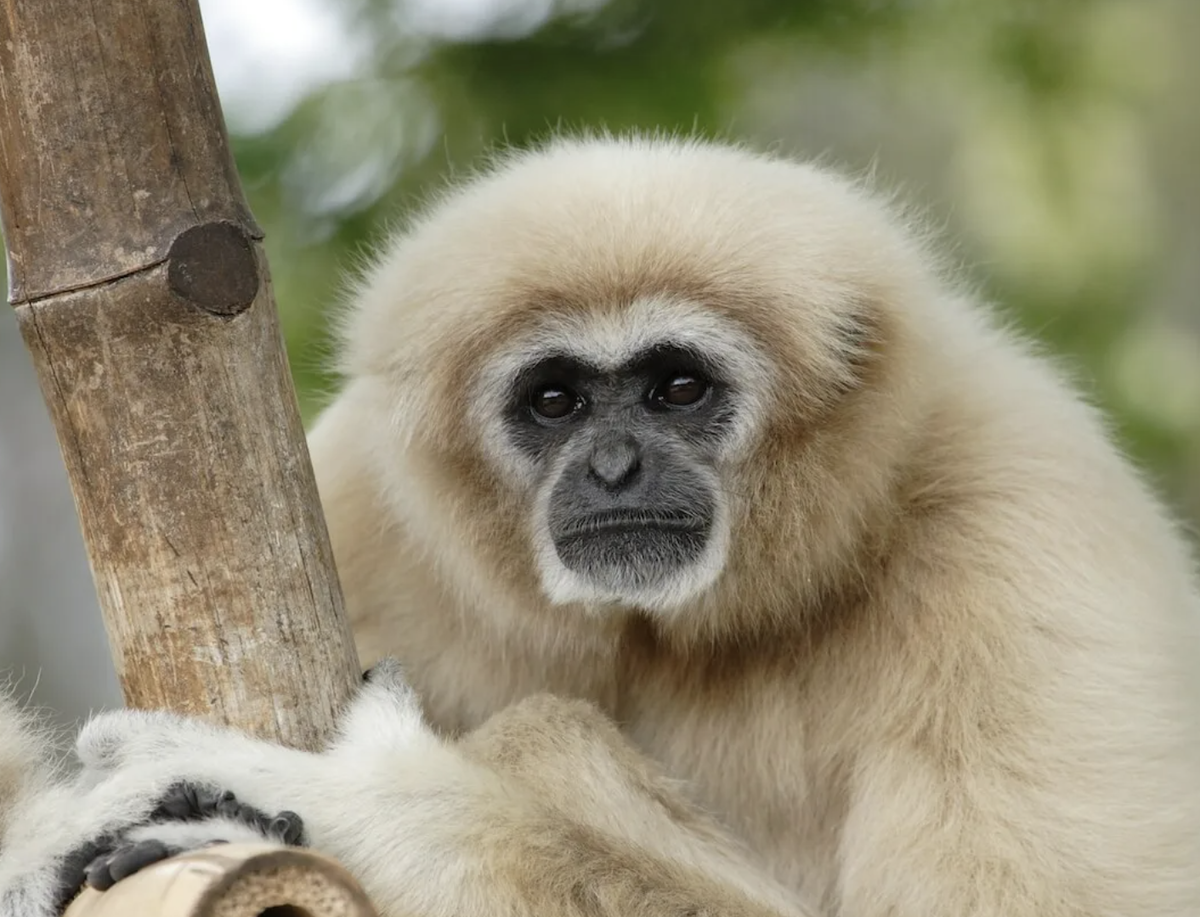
(625, 552)
(618, 522)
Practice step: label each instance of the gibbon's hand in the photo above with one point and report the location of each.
(155, 784)
(188, 816)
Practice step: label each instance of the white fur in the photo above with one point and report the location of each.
(131, 757)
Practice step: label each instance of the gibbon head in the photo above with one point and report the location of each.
(649, 374)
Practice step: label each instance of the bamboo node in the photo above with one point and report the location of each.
(213, 266)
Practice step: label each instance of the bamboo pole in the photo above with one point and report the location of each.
(142, 292)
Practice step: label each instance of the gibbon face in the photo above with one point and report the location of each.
(626, 372)
(627, 496)
(623, 442)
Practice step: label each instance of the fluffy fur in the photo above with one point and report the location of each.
(24, 763)
(945, 660)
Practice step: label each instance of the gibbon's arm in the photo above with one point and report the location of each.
(544, 810)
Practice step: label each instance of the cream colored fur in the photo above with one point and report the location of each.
(952, 670)
(949, 663)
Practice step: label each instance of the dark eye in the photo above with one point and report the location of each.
(554, 402)
(680, 390)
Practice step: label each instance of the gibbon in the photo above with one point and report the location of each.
(719, 554)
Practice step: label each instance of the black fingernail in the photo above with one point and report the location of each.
(98, 875)
(288, 827)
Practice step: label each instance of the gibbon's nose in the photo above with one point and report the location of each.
(615, 462)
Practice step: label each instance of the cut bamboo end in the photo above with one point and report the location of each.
(232, 880)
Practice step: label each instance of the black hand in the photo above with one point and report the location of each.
(185, 801)
(72, 872)
(107, 859)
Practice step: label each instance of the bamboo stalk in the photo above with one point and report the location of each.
(143, 294)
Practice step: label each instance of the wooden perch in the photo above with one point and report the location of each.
(142, 292)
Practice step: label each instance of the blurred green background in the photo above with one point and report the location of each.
(1055, 141)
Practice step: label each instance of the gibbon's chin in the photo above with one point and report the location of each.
(654, 569)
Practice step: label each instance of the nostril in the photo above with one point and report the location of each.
(615, 477)
(614, 465)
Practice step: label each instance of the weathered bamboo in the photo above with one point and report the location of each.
(144, 297)
(142, 292)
